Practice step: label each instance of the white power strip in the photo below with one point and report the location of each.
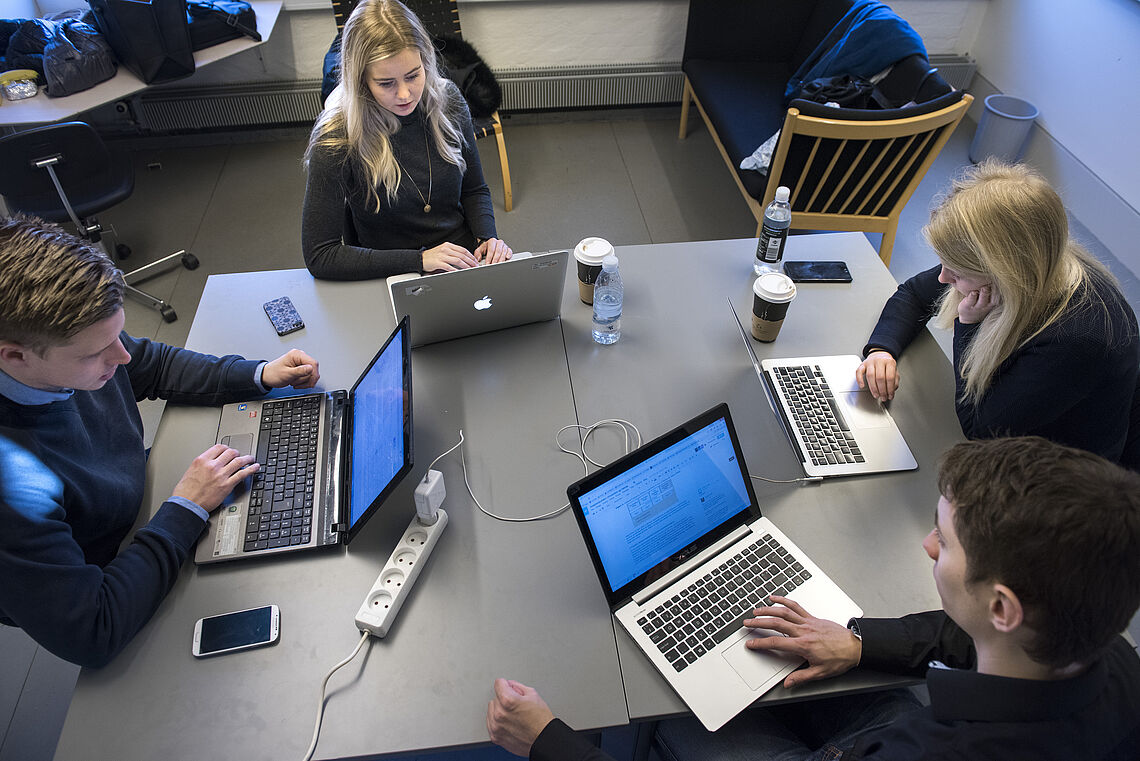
(383, 601)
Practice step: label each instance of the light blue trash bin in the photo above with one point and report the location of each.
(1004, 129)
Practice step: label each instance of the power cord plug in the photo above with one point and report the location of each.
(429, 496)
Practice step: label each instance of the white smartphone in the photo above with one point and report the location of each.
(240, 630)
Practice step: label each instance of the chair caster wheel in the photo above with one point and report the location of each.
(189, 261)
(168, 313)
(122, 250)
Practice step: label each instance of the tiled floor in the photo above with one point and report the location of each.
(622, 175)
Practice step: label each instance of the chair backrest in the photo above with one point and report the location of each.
(858, 163)
(85, 168)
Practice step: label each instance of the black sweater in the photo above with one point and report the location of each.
(344, 238)
(1072, 383)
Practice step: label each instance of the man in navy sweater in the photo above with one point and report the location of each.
(72, 461)
(1035, 551)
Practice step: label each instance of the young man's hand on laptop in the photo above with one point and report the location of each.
(829, 648)
(214, 474)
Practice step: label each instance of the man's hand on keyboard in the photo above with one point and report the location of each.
(214, 474)
(829, 648)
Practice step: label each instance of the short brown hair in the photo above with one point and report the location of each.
(1058, 526)
(52, 284)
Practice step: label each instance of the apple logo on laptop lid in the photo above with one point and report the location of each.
(483, 303)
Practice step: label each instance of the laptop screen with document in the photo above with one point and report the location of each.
(650, 511)
(381, 427)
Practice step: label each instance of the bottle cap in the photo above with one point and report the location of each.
(783, 194)
(610, 263)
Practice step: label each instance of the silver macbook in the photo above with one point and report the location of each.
(835, 427)
(684, 556)
(526, 288)
(328, 461)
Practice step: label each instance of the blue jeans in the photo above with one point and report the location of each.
(815, 730)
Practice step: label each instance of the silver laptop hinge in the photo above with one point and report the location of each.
(331, 509)
(690, 564)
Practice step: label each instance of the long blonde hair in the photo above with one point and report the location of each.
(354, 124)
(1004, 223)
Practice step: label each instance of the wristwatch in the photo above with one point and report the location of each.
(853, 627)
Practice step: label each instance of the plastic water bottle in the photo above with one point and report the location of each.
(608, 291)
(774, 234)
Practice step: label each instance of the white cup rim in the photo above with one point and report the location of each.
(774, 287)
(602, 244)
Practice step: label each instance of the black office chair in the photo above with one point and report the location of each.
(65, 172)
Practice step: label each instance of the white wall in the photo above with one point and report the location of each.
(581, 32)
(1078, 63)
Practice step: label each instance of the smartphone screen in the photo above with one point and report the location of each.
(239, 630)
(818, 272)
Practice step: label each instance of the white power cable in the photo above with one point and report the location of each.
(321, 703)
(625, 425)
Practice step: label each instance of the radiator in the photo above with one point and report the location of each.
(957, 70)
(528, 89)
(260, 104)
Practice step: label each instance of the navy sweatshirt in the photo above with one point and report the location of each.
(1072, 383)
(72, 474)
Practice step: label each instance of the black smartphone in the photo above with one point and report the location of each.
(818, 272)
(283, 315)
(240, 630)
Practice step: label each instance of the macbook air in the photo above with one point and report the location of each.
(834, 427)
(684, 556)
(328, 461)
(524, 289)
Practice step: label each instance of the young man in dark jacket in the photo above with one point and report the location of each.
(1035, 551)
(72, 461)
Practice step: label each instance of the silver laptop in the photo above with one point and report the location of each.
(526, 288)
(834, 427)
(684, 556)
(328, 461)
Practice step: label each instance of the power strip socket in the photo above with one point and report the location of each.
(383, 601)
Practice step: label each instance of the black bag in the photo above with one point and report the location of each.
(464, 67)
(150, 37)
(69, 55)
(220, 20)
(76, 58)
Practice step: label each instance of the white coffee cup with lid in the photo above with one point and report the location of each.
(589, 254)
(772, 292)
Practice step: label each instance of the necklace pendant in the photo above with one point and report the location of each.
(427, 208)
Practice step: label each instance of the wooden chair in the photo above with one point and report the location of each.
(442, 17)
(856, 169)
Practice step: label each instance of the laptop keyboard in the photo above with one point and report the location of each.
(281, 501)
(816, 415)
(698, 618)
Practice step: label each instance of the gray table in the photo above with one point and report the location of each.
(495, 599)
(518, 600)
(680, 353)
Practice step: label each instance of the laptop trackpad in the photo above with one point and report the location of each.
(756, 668)
(242, 442)
(864, 411)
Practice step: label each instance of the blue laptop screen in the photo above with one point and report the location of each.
(648, 513)
(381, 422)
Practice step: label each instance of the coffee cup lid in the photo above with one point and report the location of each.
(593, 250)
(775, 287)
